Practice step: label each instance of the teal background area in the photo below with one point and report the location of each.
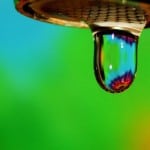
(49, 98)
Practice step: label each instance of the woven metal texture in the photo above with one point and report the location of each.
(91, 11)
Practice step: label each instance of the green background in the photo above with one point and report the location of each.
(49, 98)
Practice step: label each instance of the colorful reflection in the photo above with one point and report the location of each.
(118, 59)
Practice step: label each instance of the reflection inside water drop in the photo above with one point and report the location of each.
(115, 59)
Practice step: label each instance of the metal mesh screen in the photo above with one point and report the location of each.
(93, 11)
(126, 15)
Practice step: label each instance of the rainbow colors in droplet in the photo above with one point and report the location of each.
(118, 60)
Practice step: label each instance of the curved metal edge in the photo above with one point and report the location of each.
(23, 7)
(146, 8)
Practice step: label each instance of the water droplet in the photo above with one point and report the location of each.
(115, 59)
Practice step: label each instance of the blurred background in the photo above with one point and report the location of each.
(49, 97)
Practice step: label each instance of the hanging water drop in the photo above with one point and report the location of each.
(115, 59)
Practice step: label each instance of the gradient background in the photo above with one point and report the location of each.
(49, 98)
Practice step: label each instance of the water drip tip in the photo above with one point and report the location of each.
(115, 59)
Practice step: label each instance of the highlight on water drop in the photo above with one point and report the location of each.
(115, 59)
